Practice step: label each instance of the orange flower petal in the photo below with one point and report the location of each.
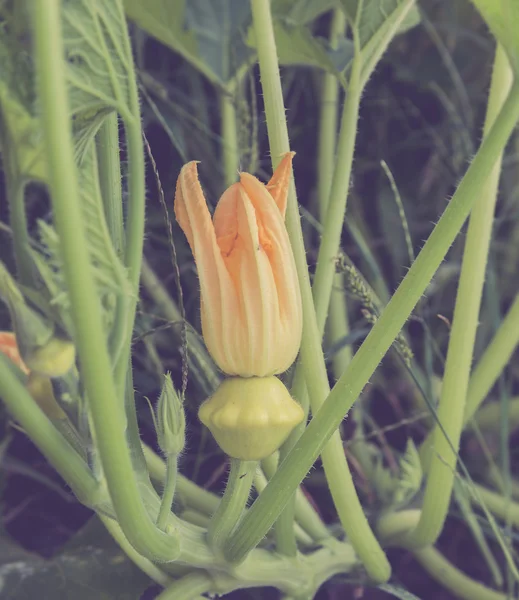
(280, 182)
(9, 347)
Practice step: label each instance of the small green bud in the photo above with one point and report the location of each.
(171, 421)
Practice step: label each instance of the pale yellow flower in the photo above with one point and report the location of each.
(250, 299)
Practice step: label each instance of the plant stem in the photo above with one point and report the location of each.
(452, 578)
(486, 372)
(337, 323)
(493, 361)
(440, 478)
(169, 491)
(52, 444)
(232, 504)
(295, 466)
(145, 565)
(187, 588)
(336, 468)
(18, 221)
(197, 498)
(108, 162)
(107, 415)
(230, 150)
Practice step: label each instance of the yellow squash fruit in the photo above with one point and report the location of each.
(250, 418)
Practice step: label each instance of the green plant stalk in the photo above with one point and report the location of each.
(442, 469)
(499, 505)
(145, 565)
(305, 513)
(108, 161)
(452, 578)
(291, 472)
(52, 444)
(336, 468)
(493, 361)
(194, 496)
(488, 417)
(485, 374)
(336, 206)
(337, 323)
(233, 503)
(18, 222)
(168, 493)
(230, 150)
(188, 587)
(107, 415)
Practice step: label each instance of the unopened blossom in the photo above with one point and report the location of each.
(250, 299)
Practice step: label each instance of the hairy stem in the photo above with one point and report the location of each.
(445, 442)
(107, 415)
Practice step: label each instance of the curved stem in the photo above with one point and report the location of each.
(334, 461)
(52, 444)
(187, 588)
(169, 492)
(453, 579)
(18, 221)
(233, 503)
(295, 466)
(105, 405)
(446, 439)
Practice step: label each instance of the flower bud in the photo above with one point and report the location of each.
(250, 418)
(171, 420)
(250, 300)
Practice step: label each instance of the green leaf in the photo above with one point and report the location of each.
(220, 29)
(209, 35)
(300, 12)
(502, 17)
(397, 592)
(378, 23)
(20, 136)
(109, 272)
(410, 475)
(91, 567)
(99, 63)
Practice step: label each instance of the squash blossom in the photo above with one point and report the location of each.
(251, 307)
(250, 299)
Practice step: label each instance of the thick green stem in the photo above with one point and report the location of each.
(145, 565)
(187, 588)
(453, 579)
(230, 151)
(336, 468)
(486, 372)
(494, 360)
(295, 466)
(168, 493)
(451, 409)
(108, 162)
(233, 503)
(52, 444)
(107, 415)
(337, 323)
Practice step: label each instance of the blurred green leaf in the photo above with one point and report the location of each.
(374, 14)
(209, 35)
(297, 46)
(90, 567)
(502, 17)
(301, 12)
